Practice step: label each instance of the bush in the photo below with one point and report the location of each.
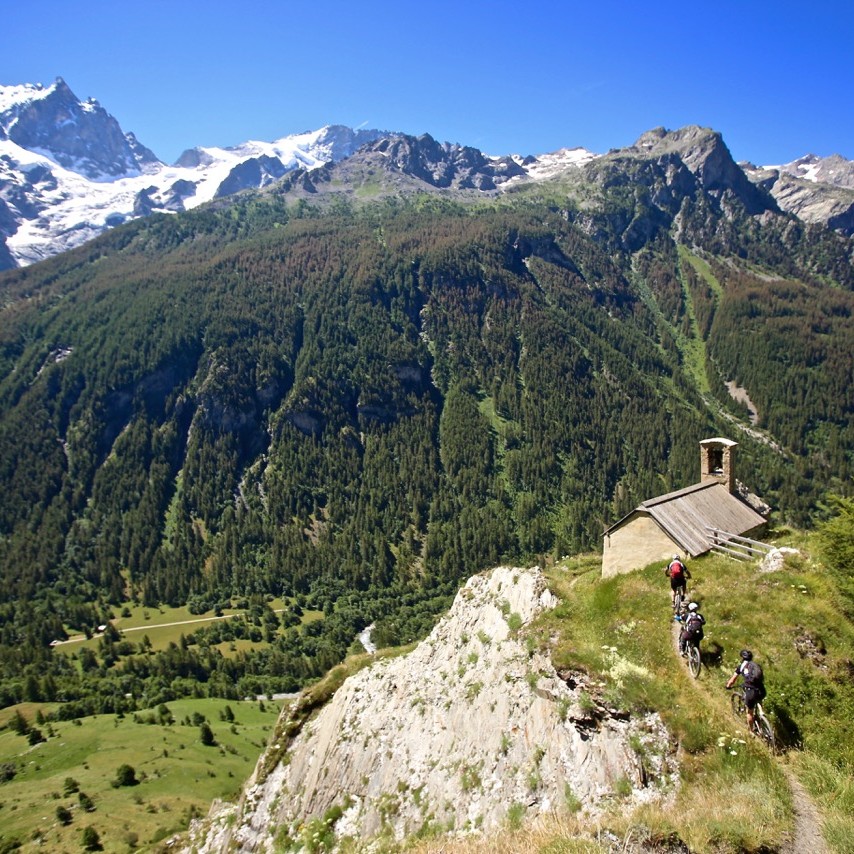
(125, 776)
(91, 840)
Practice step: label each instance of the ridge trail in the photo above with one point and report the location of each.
(806, 833)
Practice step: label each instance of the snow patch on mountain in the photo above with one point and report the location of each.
(68, 172)
(546, 166)
(11, 96)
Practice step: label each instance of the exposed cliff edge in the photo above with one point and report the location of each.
(467, 727)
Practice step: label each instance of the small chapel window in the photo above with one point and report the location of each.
(716, 460)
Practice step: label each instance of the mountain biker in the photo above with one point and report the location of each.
(754, 683)
(678, 574)
(692, 628)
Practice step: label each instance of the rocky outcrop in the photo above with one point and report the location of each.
(81, 136)
(468, 728)
(706, 155)
(810, 196)
(775, 560)
(444, 165)
(254, 172)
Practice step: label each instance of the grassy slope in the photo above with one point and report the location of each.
(734, 795)
(179, 777)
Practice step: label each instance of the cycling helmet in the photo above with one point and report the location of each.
(675, 557)
(692, 606)
(746, 655)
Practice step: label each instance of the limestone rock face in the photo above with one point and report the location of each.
(811, 200)
(706, 155)
(468, 726)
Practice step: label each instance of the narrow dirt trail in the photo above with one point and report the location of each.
(807, 835)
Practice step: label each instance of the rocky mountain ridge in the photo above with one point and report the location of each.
(458, 733)
(815, 189)
(80, 136)
(68, 172)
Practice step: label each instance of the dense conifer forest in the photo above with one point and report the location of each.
(357, 407)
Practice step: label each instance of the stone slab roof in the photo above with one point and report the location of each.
(686, 515)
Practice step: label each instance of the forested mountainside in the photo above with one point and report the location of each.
(358, 402)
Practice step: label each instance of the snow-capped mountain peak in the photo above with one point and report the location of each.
(68, 171)
(835, 170)
(78, 135)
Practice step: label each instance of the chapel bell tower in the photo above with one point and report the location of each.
(717, 462)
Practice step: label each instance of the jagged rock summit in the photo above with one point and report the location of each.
(706, 155)
(814, 189)
(78, 135)
(468, 727)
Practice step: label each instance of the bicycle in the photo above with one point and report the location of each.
(695, 662)
(678, 602)
(691, 651)
(761, 725)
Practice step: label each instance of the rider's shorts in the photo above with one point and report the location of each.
(752, 696)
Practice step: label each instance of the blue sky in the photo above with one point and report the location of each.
(776, 79)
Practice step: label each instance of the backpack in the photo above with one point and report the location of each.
(677, 569)
(694, 626)
(753, 676)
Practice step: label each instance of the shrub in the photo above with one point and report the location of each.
(125, 776)
(91, 840)
(515, 815)
(514, 622)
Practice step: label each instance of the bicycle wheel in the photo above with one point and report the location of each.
(738, 707)
(764, 729)
(694, 661)
(677, 603)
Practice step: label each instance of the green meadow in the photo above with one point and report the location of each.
(164, 625)
(177, 776)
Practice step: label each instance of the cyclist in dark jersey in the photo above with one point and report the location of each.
(754, 683)
(692, 628)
